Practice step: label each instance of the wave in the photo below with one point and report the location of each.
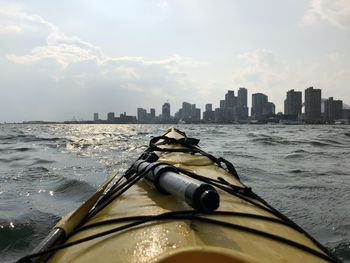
(294, 156)
(296, 171)
(342, 250)
(5, 160)
(245, 156)
(19, 149)
(72, 188)
(30, 138)
(252, 135)
(142, 133)
(327, 143)
(13, 158)
(301, 151)
(273, 141)
(28, 175)
(314, 188)
(42, 161)
(20, 235)
(16, 159)
(38, 169)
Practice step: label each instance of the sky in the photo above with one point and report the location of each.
(68, 59)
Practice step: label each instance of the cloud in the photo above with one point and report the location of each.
(62, 67)
(14, 13)
(66, 50)
(262, 71)
(258, 66)
(10, 28)
(58, 47)
(335, 12)
(61, 53)
(162, 4)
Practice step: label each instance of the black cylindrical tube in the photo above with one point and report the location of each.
(166, 178)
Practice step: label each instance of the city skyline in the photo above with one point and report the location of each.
(290, 92)
(235, 109)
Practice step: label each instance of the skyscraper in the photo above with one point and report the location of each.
(222, 104)
(312, 104)
(230, 99)
(242, 108)
(166, 111)
(186, 111)
(196, 115)
(242, 97)
(269, 108)
(293, 103)
(208, 115)
(230, 106)
(333, 109)
(141, 115)
(152, 113)
(259, 104)
(95, 116)
(110, 116)
(208, 107)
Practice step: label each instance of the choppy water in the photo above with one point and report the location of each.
(48, 170)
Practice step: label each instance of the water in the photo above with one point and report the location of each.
(48, 170)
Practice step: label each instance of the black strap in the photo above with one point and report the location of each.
(229, 167)
(191, 146)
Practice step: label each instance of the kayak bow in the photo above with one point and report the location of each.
(177, 203)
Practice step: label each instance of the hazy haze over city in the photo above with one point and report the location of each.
(72, 58)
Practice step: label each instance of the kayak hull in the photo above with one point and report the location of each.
(186, 239)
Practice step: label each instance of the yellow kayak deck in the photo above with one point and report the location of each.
(232, 233)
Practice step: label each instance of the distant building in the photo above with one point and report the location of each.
(219, 115)
(208, 115)
(230, 99)
(346, 114)
(141, 115)
(152, 113)
(270, 108)
(242, 99)
(186, 111)
(189, 113)
(312, 105)
(242, 104)
(196, 115)
(333, 109)
(144, 117)
(166, 111)
(259, 105)
(242, 113)
(230, 106)
(293, 103)
(123, 119)
(95, 116)
(223, 115)
(208, 107)
(110, 116)
(222, 104)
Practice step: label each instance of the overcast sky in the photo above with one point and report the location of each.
(60, 59)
